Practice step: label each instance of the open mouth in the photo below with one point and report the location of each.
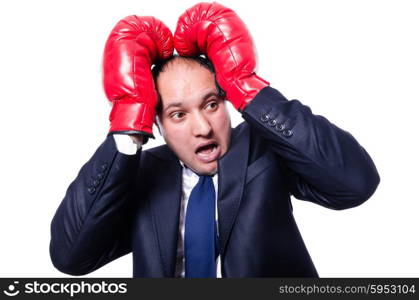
(206, 149)
(208, 152)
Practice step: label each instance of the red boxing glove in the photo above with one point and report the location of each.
(134, 44)
(217, 32)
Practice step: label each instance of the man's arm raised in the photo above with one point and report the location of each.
(326, 164)
(93, 223)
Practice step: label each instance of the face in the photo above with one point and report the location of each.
(194, 121)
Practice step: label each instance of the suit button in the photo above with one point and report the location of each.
(91, 190)
(103, 166)
(279, 127)
(96, 182)
(273, 122)
(100, 175)
(287, 132)
(265, 117)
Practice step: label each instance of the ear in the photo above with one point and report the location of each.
(159, 125)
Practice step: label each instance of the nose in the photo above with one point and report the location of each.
(201, 125)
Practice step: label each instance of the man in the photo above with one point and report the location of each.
(214, 201)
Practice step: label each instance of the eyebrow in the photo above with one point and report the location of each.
(179, 104)
(174, 104)
(210, 94)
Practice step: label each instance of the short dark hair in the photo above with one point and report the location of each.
(161, 66)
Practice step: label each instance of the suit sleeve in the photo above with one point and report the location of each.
(91, 227)
(325, 164)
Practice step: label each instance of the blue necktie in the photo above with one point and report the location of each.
(201, 241)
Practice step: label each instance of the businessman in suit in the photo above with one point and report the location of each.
(214, 201)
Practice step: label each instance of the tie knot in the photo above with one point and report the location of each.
(205, 183)
(205, 177)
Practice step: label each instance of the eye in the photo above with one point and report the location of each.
(178, 115)
(213, 105)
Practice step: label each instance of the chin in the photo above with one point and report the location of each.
(206, 170)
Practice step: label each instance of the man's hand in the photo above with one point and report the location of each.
(134, 44)
(217, 32)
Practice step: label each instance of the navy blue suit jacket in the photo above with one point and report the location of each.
(131, 203)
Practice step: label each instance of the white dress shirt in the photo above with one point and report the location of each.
(127, 146)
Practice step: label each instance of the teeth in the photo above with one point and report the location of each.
(206, 149)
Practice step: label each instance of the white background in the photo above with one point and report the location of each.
(354, 62)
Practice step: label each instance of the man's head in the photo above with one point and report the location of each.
(193, 118)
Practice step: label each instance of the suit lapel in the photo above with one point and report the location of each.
(166, 209)
(232, 173)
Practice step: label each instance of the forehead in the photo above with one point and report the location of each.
(185, 80)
